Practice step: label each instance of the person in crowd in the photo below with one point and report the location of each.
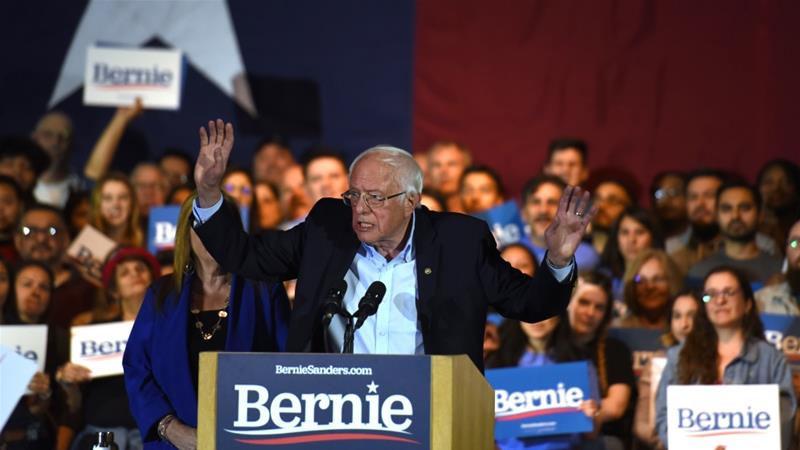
(683, 308)
(370, 231)
(567, 159)
(105, 148)
(114, 210)
(199, 307)
(10, 213)
(727, 346)
(612, 197)
(295, 201)
(781, 295)
(480, 189)
(179, 194)
(76, 212)
(701, 239)
(432, 199)
(532, 345)
(521, 258)
(271, 159)
(325, 173)
(100, 404)
(23, 160)
(650, 281)
(422, 161)
(32, 424)
(779, 184)
(739, 206)
(6, 276)
(540, 197)
(177, 166)
(634, 231)
(446, 162)
(239, 186)
(42, 237)
(668, 196)
(266, 214)
(53, 133)
(150, 185)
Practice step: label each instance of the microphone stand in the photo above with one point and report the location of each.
(349, 333)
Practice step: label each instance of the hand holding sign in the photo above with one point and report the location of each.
(215, 148)
(40, 384)
(73, 373)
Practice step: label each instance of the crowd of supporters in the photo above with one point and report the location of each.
(697, 260)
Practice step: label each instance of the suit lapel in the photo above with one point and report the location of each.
(427, 252)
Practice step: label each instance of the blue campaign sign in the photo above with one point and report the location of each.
(542, 400)
(784, 333)
(505, 222)
(332, 402)
(161, 228)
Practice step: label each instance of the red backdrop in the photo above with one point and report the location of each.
(651, 85)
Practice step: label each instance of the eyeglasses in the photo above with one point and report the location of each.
(47, 231)
(727, 293)
(794, 243)
(351, 198)
(640, 280)
(665, 193)
(231, 188)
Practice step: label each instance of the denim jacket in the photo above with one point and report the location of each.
(759, 363)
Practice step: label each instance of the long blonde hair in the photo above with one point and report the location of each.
(133, 235)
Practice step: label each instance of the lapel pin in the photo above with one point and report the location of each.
(428, 271)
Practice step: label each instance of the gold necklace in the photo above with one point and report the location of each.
(221, 314)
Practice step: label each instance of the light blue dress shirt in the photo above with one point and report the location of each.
(394, 328)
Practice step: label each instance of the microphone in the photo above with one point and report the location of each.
(332, 304)
(368, 304)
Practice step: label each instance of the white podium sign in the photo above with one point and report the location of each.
(116, 76)
(737, 417)
(100, 347)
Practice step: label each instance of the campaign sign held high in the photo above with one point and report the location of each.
(505, 222)
(736, 417)
(542, 400)
(333, 402)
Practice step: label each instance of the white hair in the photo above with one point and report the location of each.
(405, 168)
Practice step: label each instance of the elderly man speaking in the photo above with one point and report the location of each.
(441, 271)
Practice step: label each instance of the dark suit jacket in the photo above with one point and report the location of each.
(459, 274)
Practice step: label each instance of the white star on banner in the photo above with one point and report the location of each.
(202, 29)
(372, 388)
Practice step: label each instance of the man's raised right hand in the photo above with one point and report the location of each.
(215, 148)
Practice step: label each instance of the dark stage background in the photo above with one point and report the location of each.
(652, 85)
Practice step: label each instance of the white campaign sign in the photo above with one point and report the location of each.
(15, 374)
(29, 341)
(737, 417)
(100, 347)
(116, 76)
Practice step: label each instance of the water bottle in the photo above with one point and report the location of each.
(105, 441)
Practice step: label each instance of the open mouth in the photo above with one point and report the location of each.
(364, 226)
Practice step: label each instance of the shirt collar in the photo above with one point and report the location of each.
(406, 255)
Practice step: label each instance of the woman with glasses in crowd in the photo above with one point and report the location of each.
(197, 308)
(650, 280)
(727, 346)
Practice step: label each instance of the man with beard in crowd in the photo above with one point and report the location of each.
(781, 296)
(668, 194)
(738, 209)
(540, 198)
(42, 236)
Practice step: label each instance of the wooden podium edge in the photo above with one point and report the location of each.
(207, 401)
(462, 405)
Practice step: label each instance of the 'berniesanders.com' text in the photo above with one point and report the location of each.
(326, 370)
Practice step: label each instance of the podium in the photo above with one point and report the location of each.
(337, 401)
